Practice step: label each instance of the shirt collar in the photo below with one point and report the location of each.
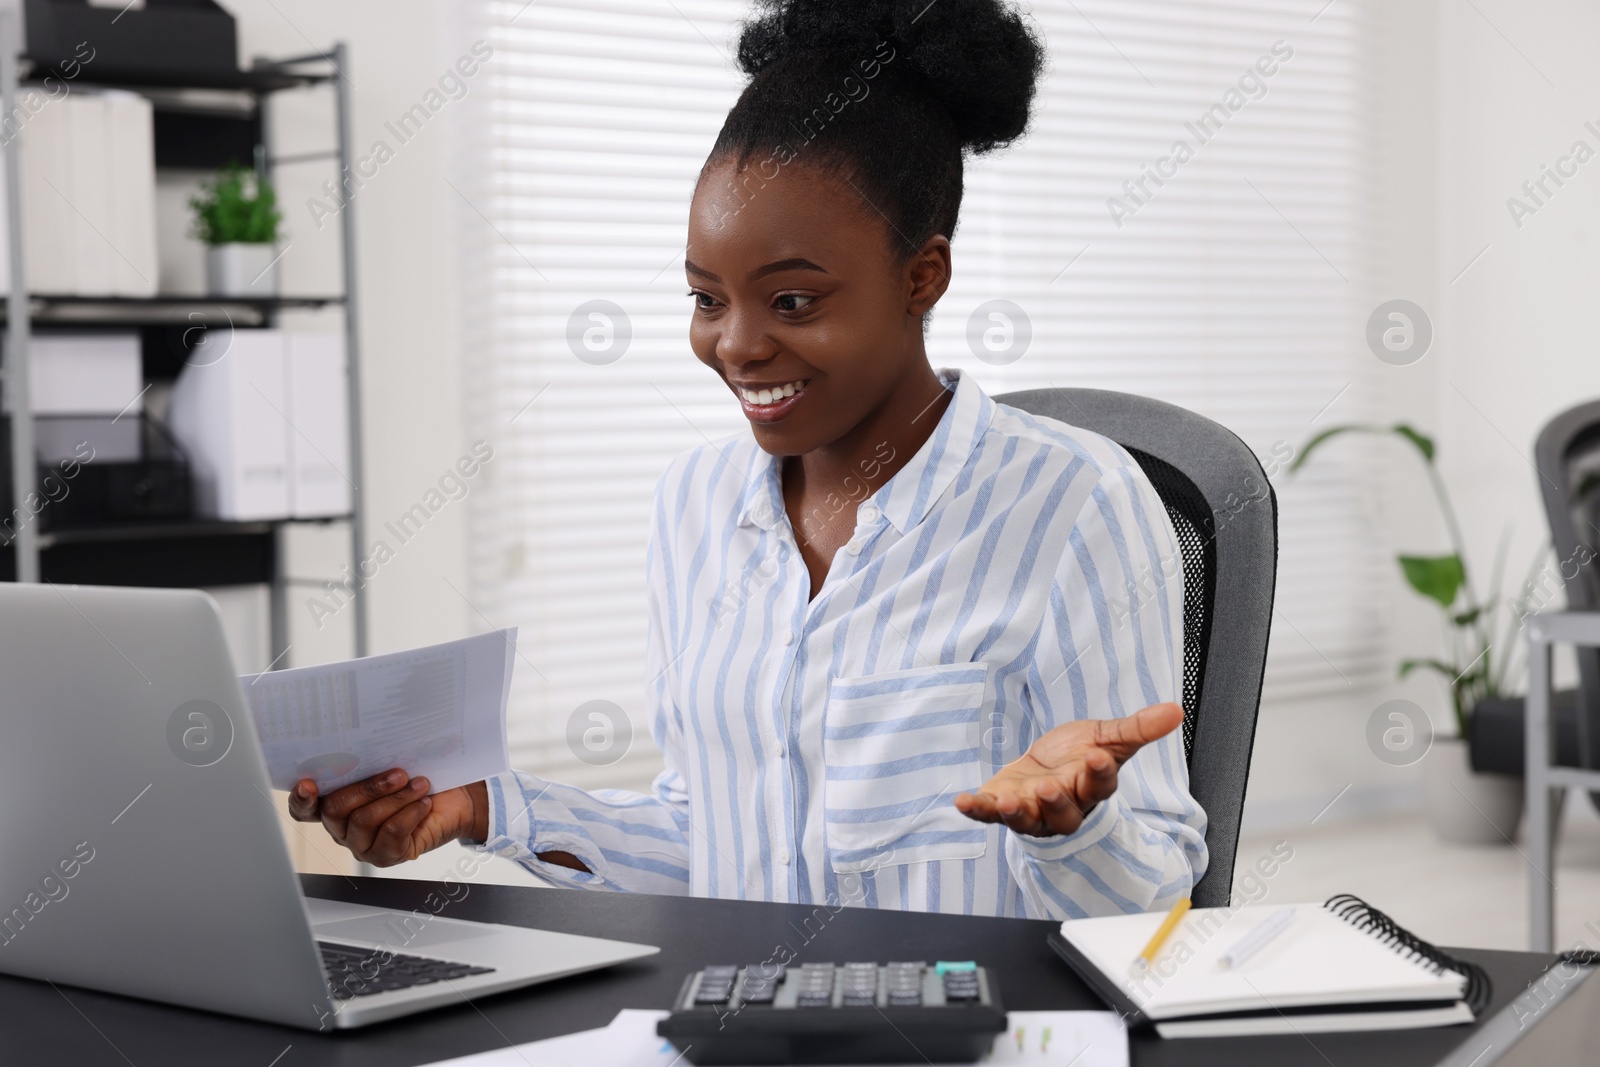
(905, 499)
(762, 503)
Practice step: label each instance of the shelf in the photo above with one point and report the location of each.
(154, 531)
(263, 80)
(60, 309)
(208, 555)
(168, 555)
(173, 530)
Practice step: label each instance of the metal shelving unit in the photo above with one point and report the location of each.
(198, 552)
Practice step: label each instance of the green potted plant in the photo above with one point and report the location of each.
(1476, 665)
(236, 216)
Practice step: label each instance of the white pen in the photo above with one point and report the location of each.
(1256, 939)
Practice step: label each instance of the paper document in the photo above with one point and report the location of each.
(437, 711)
(1057, 1038)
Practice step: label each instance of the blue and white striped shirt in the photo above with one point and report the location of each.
(1009, 578)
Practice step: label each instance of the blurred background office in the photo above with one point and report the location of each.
(1288, 217)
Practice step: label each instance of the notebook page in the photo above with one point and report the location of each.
(1318, 960)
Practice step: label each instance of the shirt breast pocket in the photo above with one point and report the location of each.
(898, 748)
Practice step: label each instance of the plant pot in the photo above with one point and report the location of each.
(242, 270)
(1466, 808)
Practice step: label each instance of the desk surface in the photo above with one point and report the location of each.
(40, 1024)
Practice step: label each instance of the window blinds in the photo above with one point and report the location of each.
(1225, 275)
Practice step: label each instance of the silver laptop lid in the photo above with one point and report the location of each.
(139, 847)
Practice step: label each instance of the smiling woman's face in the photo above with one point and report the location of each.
(800, 306)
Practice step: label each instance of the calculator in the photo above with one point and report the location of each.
(762, 1013)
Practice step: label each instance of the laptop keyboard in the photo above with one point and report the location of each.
(361, 972)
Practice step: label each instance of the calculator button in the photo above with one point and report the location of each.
(712, 994)
(960, 991)
(758, 993)
(860, 987)
(899, 999)
(771, 970)
(721, 970)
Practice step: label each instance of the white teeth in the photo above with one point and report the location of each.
(762, 397)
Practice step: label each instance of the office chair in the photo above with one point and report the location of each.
(1567, 456)
(1225, 514)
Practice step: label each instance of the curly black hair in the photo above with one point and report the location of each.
(889, 94)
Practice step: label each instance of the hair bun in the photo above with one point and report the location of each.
(979, 58)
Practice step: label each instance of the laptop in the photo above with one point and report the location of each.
(140, 845)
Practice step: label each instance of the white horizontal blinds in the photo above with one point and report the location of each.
(582, 153)
(1235, 289)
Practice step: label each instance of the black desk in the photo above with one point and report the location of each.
(39, 1025)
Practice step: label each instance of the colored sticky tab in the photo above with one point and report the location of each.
(946, 966)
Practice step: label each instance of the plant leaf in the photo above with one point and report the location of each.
(1467, 618)
(1316, 441)
(1424, 443)
(235, 205)
(1438, 577)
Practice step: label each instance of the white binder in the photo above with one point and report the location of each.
(130, 127)
(48, 234)
(87, 185)
(88, 193)
(319, 455)
(86, 374)
(231, 416)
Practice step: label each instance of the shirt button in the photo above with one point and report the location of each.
(867, 514)
(788, 637)
(784, 857)
(508, 851)
(852, 547)
(778, 751)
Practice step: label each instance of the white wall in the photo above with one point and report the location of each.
(1518, 332)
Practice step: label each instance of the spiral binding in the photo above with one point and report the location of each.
(1363, 916)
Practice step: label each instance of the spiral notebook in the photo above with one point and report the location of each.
(1341, 965)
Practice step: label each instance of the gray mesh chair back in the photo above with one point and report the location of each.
(1225, 514)
(1568, 455)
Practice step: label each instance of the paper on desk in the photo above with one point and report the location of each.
(437, 711)
(1078, 1038)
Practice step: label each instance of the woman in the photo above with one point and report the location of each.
(893, 589)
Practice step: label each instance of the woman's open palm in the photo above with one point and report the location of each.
(1051, 788)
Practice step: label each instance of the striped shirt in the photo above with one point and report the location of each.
(1009, 578)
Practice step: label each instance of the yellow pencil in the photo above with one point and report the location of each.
(1170, 923)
